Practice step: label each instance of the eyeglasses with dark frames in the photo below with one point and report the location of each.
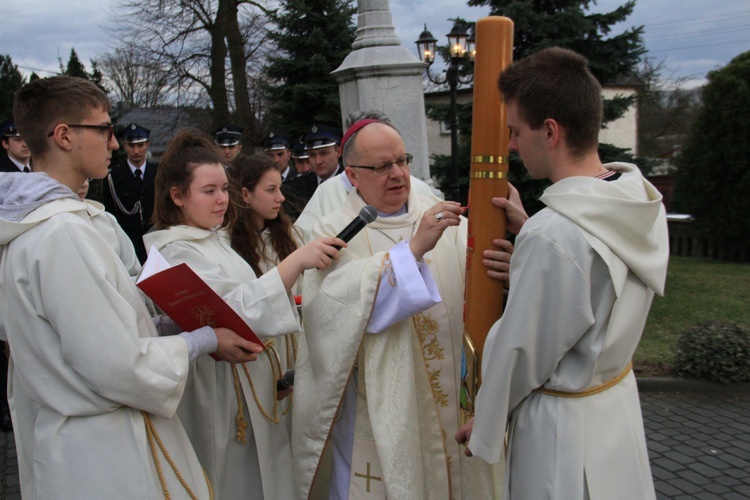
(110, 129)
(403, 163)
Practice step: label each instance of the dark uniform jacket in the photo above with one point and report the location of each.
(299, 190)
(292, 174)
(6, 164)
(129, 192)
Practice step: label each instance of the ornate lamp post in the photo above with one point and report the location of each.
(461, 47)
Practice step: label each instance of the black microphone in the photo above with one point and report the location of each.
(366, 215)
(286, 381)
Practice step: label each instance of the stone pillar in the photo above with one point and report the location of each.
(380, 74)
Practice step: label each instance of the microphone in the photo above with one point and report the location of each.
(366, 215)
(286, 381)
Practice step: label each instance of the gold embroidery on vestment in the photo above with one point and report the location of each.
(440, 396)
(427, 330)
(388, 270)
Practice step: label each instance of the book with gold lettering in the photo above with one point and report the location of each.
(187, 299)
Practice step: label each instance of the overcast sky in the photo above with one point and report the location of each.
(692, 37)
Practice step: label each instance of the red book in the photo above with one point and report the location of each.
(187, 299)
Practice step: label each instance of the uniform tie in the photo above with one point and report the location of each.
(138, 175)
(26, 169)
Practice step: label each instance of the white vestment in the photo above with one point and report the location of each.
(88, 360)
(260, 468)
(110, 229)
(582, 277)
(330, 196)
(408, 375)
(286, 346)
(26, 411)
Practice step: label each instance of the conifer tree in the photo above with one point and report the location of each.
(313, 37)
(10, 80)
(75, 67)
(713, 175)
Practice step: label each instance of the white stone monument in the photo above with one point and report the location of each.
(380, 74)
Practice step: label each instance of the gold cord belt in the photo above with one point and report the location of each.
(275, 363)
(153, 441)
(591, 390)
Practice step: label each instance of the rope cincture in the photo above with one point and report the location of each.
(275, 369)
(591, 390)
(242, 425)
(153, 441)
(240, 418)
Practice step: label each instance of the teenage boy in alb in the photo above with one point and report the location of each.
(86, 351)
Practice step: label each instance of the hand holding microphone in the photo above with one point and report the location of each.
(320, 253)
(286, 381)
(366, 215)
(285, 385)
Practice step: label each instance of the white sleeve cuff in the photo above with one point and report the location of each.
(406, 288)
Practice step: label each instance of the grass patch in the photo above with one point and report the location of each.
(697, 290)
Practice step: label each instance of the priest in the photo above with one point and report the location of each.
(377, 376)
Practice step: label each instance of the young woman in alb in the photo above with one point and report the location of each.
(230, 412)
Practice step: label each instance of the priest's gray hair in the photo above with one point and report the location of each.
(350, 148)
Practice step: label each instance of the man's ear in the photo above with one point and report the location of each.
(61, 136)
(351, 173)
(176, 196)
(552, 131)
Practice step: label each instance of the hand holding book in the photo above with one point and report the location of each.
(191, 303)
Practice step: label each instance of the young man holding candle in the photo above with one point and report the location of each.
(556, 366)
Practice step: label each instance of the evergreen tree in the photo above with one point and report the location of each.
(539, 24)
(713, 176)
(76, 68)
(313, 38)
(10, 80)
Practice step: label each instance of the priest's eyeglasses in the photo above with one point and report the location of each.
(110, 129)
(403, 163)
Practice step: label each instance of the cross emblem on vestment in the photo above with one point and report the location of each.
(368, 477)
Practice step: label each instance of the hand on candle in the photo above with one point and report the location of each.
(464, 434)
(497, 262)
(514, 212)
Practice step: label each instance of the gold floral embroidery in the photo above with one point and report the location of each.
(388, 270)
(427, 330)
(438, 394)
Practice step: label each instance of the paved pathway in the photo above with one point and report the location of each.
(698, 441)
(699, 444)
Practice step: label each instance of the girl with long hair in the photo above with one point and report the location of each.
(230, 412)
(263, 233)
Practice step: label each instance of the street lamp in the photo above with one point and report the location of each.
(461, 47)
